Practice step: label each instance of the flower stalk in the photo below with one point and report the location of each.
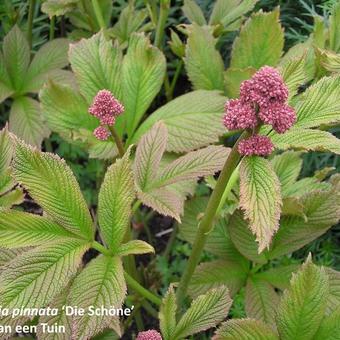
(30, 22)
(117, 140)
(207, 222)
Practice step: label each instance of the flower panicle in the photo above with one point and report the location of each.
(149, 335)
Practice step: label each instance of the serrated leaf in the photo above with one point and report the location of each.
(305, 186)
(245, 329)
(58, 7)
(20, 229)
(233, 77)
(149, 154)
(333, 302)
(227, 13)
(134, 247)
(26, 121)
(6, 154)
(279, 277)
(164, 200)
(100, 284)
(243, 239)
(16, 56)
(52, 56)
(193, 12)
(287, 167)
(334, 36)
(203, 62)
(143, 74)
(114, 203)
(208, 275)
(53, 186)
(261, 300)
(319, 104)
(260, 198)
(303, 305)
(205, 312)
(167, 314)
(329, 60)
(6, 89)
(97, 65)
(7, 255)
(30, 280)
(260, 41)
(13, 197)
(205, 108)
(330, 327)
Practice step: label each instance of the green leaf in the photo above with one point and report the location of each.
(32, 230)
(58, 7)
(208, 275)
(16, 57)
(52, 56)
(204, 108)
(260, 41)
(205, 312)
(143, 73)
(330, 327)
(13, 197)
(97, 65)
(228, 13)
(167, 314)
(53, 186)
(36, 276)
(6, 154)
(279, 277)
(193, 12)
(245, 329)
(26, 121)
(134, 247)
(287, 167)
(100, 284)
(6, 89)
(233, 77)
(319, 104)
(334, 21)
(260, 198)
(303, 305)
(114, 203)
(329, 60)
(149, 153)
(333, 302)
(243, 239)
(307, 139)
(261, 300)
(203, 62)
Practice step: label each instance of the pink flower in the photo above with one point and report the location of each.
(265, 87)
(280, 116)
(149, 335)
(105, 105)
(101, 133)
(239, 115)
(256, 145)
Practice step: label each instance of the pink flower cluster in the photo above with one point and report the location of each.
(149, 335)
(106, 108)
(262, 101)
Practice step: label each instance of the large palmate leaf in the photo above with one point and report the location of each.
(143, 74)
(319, 104)
(149, 153)
(334, 35)
(36, 276)
(208, 275)
(52, 184)
(97, 65)
(307, 139)
(205, 312)
(58, 7)
(100, 284)
(303, 305)
(233, 77)
(6, 153)
(114, 204)
(16, 57)
(260, 42)
(6, 88)
(203, 62)
(167, 314)
(330, 327)
(26, 122)
(333, 302)
(228, 13)
(193, 12)
(260, 198)
(261, 300)
(245, 329)
(20, 229)
(193, 120)
(52, 56)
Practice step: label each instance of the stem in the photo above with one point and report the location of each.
(118, 141)
(207, 222)
(99, 15)
(96, 245)
(171, 242)
(30, 22)
(163, 16)
(141, 290)
(52, 26)
(175, 78)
